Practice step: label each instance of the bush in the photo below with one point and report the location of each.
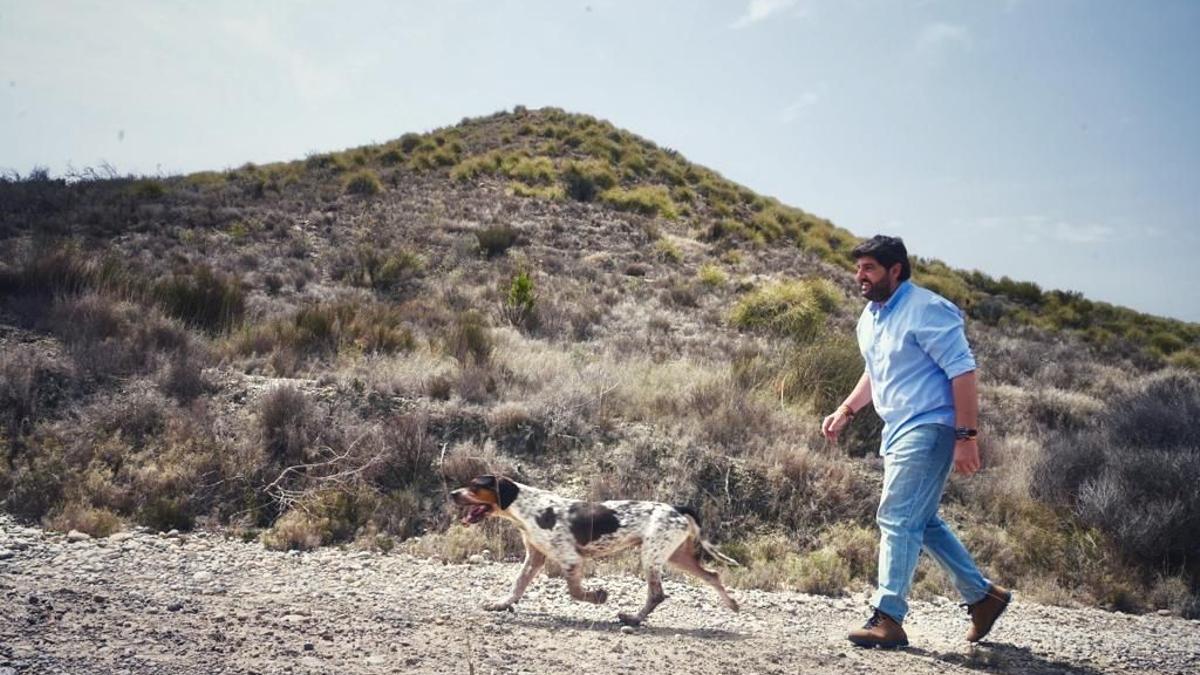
(547, 192)
(364, 182)
(496, 240)
(520, 303)
(797, 310)
(712, 276)
(283, 419)
(533, 171)
(1161, 412)
(470, 340)
(1134, 476)
(205, 299)
(653, 200)
(588, 178)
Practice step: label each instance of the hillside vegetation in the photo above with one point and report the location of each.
(310, 352)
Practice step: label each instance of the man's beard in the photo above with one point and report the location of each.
(881, 291)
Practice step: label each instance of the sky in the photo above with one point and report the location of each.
(1054, 141)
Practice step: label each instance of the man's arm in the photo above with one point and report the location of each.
(966, 414)
(859, 397)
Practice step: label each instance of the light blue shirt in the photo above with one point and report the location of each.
(913, 345)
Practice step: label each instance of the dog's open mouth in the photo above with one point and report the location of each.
(476, 513)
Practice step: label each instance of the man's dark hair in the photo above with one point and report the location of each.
(887, 251)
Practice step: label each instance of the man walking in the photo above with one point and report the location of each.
(920, 376)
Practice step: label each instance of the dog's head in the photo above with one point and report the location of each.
(485, 496)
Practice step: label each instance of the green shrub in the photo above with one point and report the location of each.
(205, 299)
(496, 240)
(409, 142)
(328, 161)
(547, 192)
(520, 303)
(533, 171)
(712, 275)
(793, 309)
(473, 167)
(652, 200)
(667, 251)
(364, 183)
(586, 179)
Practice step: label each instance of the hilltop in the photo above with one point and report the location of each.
(307, 353)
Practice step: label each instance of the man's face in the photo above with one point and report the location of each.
(876, 282)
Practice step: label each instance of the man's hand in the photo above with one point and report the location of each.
(966, 457)
(833, 425)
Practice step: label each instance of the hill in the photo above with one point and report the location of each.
(309, 352)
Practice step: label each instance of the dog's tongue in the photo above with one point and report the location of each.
(475, 514)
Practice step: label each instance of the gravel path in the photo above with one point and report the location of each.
(146, 603)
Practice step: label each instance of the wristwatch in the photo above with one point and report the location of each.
(964, 433)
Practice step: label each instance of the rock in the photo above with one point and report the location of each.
(5, 554)
(202, 576)
(174, 606)
(628, 630)
(119, 537)
(477, 559)
(76, 535)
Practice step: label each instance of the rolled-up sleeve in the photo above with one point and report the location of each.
(941, 334)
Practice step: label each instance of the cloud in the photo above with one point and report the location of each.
(807, 100)
(757, 10)
(1036, 229)
(1083, 233)
(939, 37)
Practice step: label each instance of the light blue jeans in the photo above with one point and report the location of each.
(915, 468)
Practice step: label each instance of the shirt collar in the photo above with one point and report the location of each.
(901, 290)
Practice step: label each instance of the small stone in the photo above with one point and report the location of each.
(628, 630)
(120, 537)
(202, 577)
(5, 554)
(1164, 612)
(174, 606)
(308, 646)
(476, 559)
(76, 535)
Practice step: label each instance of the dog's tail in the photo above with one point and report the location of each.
(705, 545)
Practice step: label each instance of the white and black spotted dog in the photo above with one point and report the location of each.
(569, 530)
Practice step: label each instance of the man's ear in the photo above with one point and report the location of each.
(895, 271)
(507, 491)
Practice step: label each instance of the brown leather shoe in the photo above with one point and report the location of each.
(880, 630)
(985, 612)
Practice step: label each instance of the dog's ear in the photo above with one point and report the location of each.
(507, 491)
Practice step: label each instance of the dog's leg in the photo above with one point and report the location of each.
(534, 559)
(574, 574)
(654, 595)
(684, 558)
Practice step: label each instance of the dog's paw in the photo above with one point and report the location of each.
(629, 619)
(599, 596)
(498, 607)
(732, 604)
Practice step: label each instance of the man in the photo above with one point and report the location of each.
(920, 376)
